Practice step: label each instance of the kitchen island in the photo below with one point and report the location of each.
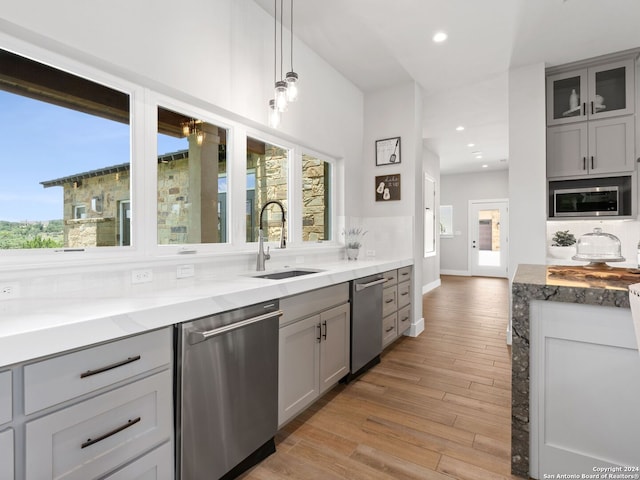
(575, 373)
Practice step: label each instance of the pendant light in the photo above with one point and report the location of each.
(285, 88)
(280, 85)
(292, 77)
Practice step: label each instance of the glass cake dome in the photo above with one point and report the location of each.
(598, 247)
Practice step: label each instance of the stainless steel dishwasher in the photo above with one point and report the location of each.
(226, 392)
(366, 323)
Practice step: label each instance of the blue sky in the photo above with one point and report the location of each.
(40, 141)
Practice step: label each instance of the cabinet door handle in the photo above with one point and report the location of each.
(319, 337)
(592, 163)
(584, 163)
(591, 108)
(388, 330)
(92, 441)
(584, 108)
(324, 324)
(106, 368)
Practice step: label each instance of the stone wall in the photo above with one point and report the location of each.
(314, 208)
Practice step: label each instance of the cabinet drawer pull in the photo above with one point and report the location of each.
(92, 441)
(389, 329)
(389, 301)
(404, 293)
(404, 319)
(88, 373)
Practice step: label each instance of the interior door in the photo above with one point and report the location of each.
(488, 238)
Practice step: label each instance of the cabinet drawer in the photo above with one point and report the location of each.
(404, 274)
(6, 455)
(404, 294)
(61, 378)
(309, 303)
(92, 437)
(6, 394)
(155, 465)
(389, 300)
(404, 319)
(389, 329)
(392, 277)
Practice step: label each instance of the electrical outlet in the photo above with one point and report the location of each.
(142, 276)
(9, 290)
(185, 271)
(370, 253)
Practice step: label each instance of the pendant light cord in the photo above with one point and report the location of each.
(275, 40)
(281, 30)
(291, 35)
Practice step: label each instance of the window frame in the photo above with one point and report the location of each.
(144, 99)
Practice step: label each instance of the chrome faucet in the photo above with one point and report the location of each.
(262, 256)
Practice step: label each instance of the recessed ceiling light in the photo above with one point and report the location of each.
(439, 37)
(478, 156)
(459, 128)
(471, 145)
(485, 166)
(476, 152)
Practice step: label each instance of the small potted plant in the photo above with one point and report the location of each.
(563, 244)
(353, 241)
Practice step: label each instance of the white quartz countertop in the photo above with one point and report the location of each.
(32, 328)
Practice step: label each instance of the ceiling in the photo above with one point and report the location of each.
(376, 44)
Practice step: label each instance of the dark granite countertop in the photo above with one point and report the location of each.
(541, 282)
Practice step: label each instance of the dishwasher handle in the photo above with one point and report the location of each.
(197, 337)
(362, 286)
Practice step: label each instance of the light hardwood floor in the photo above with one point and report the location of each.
(436, 407)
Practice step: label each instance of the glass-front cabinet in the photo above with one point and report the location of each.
(591, 93)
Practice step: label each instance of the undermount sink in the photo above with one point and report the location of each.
(285, 274)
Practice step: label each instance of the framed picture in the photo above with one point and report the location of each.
(388, 151)
(387, 187)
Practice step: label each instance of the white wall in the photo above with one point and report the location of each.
(214, 51)
(457, 190)
(395, 112)
(527, 166)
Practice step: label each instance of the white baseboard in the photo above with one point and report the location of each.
(460, 273)
(416, 328)
(431, 286)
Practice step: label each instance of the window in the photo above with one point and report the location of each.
(267, 179)
(65, 140)
(429, 217)
(316, 181)
(446, 221)
(192, 180)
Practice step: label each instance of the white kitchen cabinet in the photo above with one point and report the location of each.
(63, 377)
(89, 438)
(334, 346)
(591, 148)
(156, 465)
(591, 93)
(584, 387)
(396, 304)
(314, 349)
(6, 395)
(6, 455)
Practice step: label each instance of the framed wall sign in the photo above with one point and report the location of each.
(387, 187)
(388, 151)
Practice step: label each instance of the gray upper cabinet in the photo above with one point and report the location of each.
(591, 93)
(591, 148)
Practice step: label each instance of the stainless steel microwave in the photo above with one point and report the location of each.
(593, 197)
(586, 202)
